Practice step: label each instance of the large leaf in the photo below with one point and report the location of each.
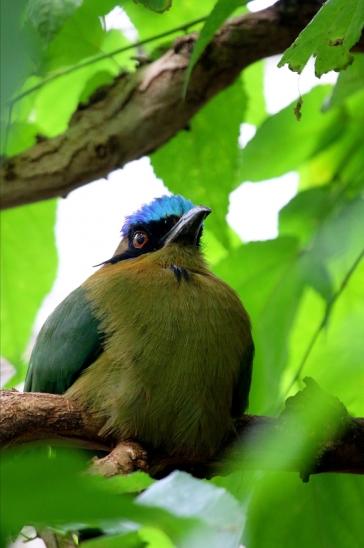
(19, 54)
(50, 108)
(335, 358)
(201, 161)
(156, 5)
(37, 489)
(253, 77)
(269, 278)
(28, 269)
(327, 511)
(80, 37)
(350, 81)
(341, 161)
(150, 24)
(282, 143)
(329, 37)
(48, 16)
(220, 514)
(53, 108)
(220, 12)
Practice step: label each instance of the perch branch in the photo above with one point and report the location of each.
(29, 417)
(140, 112)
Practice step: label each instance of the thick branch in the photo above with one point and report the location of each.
(139, 112)
(31, 416)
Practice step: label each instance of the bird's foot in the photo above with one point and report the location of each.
(127, 456)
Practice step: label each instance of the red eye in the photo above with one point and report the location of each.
(140, 239)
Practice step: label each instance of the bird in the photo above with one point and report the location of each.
(155, 346)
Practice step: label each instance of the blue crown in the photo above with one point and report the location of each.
(158, 209)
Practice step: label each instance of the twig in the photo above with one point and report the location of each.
(324, 321)
(102, 56)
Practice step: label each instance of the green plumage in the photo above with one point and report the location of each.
(68, 342)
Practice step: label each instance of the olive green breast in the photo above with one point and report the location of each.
(173, 354)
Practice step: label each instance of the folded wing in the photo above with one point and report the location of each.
(68, 342)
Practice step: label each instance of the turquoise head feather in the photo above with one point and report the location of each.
(157, 210)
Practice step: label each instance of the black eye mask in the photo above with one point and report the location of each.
(156, 231)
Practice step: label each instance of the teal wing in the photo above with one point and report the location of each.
(68, 342)
(242, 388)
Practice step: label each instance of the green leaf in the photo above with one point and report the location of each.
(268, 276)
(335, 364)
(201, 161)
(53, 108)
(19, 53)
(149, 23)
(155, 538)
(81, 36)
(28, 269)
(220, 12)
(327, 511)
(220, 514)
(282, 143)
(36, 487)
(156, 5)
(349, 82)
(48, 16)
(21, 135)
(130, 483)
(302, 216)
(124, 540)
(329, 37)
(253, 77)
(340, 161)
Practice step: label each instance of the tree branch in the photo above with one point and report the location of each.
(29, 417)
(139, 112)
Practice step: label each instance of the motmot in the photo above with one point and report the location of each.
(155, 346)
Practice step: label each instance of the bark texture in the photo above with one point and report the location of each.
(29, 417)
(140, 112)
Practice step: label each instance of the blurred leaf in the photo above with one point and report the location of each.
(201, 161)
(327, 511)
(48, 16)
(336, 357)
(220, 12)
(39, 490)
(21, 135)
(149, 23)
(350, 81)
(19, 53)
(126, 540)
(81, 36)
(341, 160)
(305, 212)
(156, 5)
(282, 143)
(95, 82)
(317, 275)
(155, 538)
(220, 514)
(53, 108)
(329, 37)
(28, 269)
(280, 500)
(268, 277)
(253, 77)
(100, 8)
(130, 483)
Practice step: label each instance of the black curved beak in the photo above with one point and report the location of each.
(187, 230)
